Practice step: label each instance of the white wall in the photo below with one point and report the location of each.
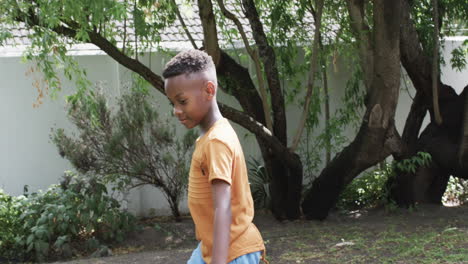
(458, 80)
(27, 157)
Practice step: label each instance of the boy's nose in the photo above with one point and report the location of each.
(177, 111)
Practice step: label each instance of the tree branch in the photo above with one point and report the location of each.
(312, 71)
(241, 118)
(258, 68)
(435, 65)
(268, 58)
(416, 64)
(260, 130)
(182, 22)
(210, 34)
(362, 32)
(125, 29)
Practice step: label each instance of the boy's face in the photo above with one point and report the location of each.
(191, 98)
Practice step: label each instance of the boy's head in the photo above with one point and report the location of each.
(190, 84)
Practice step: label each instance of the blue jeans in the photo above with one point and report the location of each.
(251, 258)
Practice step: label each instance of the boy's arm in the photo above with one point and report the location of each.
(221, 191)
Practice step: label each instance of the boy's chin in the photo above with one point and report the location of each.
(189, 125)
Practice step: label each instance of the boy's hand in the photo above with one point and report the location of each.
(221, 191)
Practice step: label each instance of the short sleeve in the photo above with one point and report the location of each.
(219, 161)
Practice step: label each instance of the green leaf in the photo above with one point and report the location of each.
(30, 239)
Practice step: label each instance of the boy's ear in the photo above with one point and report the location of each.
(210, 89)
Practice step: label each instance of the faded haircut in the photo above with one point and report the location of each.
(188, 62)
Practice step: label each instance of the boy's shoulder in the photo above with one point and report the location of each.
(225, 133)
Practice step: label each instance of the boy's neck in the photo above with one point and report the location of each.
(210, 119)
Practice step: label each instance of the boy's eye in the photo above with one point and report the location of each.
(183, 102)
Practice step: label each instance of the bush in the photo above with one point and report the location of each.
(456, 192)
(128, 148)
(55, 223)
(373, 189)
(10, 224)
(367, 191)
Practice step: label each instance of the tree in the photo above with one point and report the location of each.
(100, 23)
(274, 34)
(444, 137)
(377, 137)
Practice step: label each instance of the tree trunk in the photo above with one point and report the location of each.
(174, 205)
(377, 137)
(463, 152)
(327, 117)
(286, 173)
(444, 142)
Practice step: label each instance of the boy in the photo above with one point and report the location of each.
(219, 195)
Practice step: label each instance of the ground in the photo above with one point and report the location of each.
(425, 234)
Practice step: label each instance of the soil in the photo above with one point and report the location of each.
(426, 234)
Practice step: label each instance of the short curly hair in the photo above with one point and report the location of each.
(187, 62)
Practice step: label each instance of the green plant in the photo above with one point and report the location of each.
(259, 184)
(372, 189)
(410, 165)
(56, 222)
(456, 192)
(10, 225)
(129, 147)
(368, 190)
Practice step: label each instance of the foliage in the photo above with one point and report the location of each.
(56, 222)
(259, 184)
(410, 165)
(124, 29)
(128, 148)
(456, 192)
(371, 189)
(10, 223)
(453, 21)
(459, 55)
(54, 25)
(333, 137)
(368, 190)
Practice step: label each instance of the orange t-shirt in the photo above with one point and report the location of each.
(218, 155)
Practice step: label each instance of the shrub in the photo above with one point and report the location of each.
(128, 148)
(10, 224)
(368, 190)
(456, 192)
(373, 189)
(259, 184)
(57, 221)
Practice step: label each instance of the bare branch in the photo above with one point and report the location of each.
(182, 22)
(435, 65)
(210, 34)
(125, 29)
(361, 31)
(259, 130)
(156, 81)
(267, 55)
(313, 68)
(258, 68)
(136, 34)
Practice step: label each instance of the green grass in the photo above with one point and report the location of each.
(406, 238)
(425, 234)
